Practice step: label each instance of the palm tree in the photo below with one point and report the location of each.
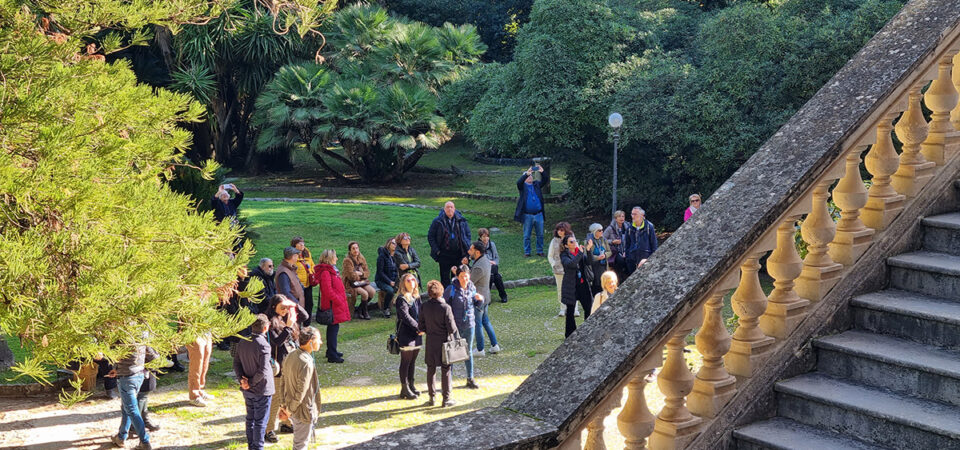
(376, 95)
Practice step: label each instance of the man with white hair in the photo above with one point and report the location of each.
(640, 240)
(224, 206)
(264, 272)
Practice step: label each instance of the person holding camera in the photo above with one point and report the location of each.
(529, 210)
(224, 206)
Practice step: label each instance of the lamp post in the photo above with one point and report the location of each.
(615, 120)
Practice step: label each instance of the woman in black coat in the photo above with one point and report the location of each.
(575, 286)
(436, 321)
(408, 333)
(284, 334)
(387, 274)
(406, 257)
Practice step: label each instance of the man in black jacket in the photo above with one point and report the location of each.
(264, 272)
(529, 210)
(449, 239)
(255, 374)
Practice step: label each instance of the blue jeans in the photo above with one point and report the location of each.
(389, 292)
(258, 410)
(468, 334)
(130, 407)
(483, 323)
(530, 221)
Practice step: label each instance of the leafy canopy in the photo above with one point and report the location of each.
(376, 94)
(96, 253)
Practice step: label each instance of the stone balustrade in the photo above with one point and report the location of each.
(751, 225)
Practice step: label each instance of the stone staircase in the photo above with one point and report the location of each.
(893, 381)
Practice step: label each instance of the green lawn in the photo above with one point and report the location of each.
(325, 225)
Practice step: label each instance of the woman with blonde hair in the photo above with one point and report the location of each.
(333, 296)
(408, 334)
(609, 283)
(356, 280)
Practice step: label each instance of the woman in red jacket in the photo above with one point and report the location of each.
(332, 296)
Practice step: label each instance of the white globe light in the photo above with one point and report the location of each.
(615, 120)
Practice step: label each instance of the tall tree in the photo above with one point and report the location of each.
(96, 253)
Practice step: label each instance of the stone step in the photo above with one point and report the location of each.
(917, 317)
(931, 273)
(942, 233)
(780, 433)
(902, 366)
(875, 415)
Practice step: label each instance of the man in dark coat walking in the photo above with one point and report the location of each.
(529, 210)
(449, 239)
(255, 374)
(640, 240)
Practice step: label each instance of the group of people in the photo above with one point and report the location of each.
(273, 360)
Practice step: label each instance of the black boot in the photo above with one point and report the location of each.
(405, 393)
(365, 310)
(412, 386)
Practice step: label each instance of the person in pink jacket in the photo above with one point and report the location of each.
(694, 206)
(332, 296)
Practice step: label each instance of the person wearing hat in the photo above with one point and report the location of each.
(287, 281)
(600, 253)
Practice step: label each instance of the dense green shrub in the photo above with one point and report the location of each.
(199, 185)
(497, 21)
(376, 95)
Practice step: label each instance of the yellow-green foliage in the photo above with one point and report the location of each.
(96, 253)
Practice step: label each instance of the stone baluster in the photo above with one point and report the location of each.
(915, 171)
(675, 426)
(714, 386)
(785, 308)
(749, 345)
(955, 114)
(882, 161)
(941, 98)
(850, 194)
(635, 421)
(595, 426)
(820, 273)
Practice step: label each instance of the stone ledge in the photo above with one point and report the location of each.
(16, 390)
(488, 428)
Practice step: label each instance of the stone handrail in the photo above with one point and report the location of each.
(755, 213)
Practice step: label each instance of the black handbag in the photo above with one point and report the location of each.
(586, 269)
(393, 345)
(455, 349)
(325, 316)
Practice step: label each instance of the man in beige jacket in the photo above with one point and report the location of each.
(299, 390)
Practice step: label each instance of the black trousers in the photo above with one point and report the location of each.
(586, 302)
(408, 364)
(446, 379)
(308, 304)
(446, 263)
(497, 280)
(332, 332)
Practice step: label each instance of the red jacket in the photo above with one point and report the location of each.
(332, 294)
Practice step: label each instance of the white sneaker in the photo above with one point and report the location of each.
(479, 353)
(563, 312)
(576, 313)
(495, 349)
(206, 396)
(198, 402)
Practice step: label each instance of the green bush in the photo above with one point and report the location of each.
(190, 181)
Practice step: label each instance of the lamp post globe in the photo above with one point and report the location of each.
(616, 121)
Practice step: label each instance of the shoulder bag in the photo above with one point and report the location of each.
(393, 345)
(325, 316)
(455, 349)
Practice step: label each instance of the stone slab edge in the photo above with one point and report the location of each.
(16, 390)
(395, 192)
(488, 428)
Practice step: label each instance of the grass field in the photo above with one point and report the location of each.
(325, 225)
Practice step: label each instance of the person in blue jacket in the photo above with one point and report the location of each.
(529, 210)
